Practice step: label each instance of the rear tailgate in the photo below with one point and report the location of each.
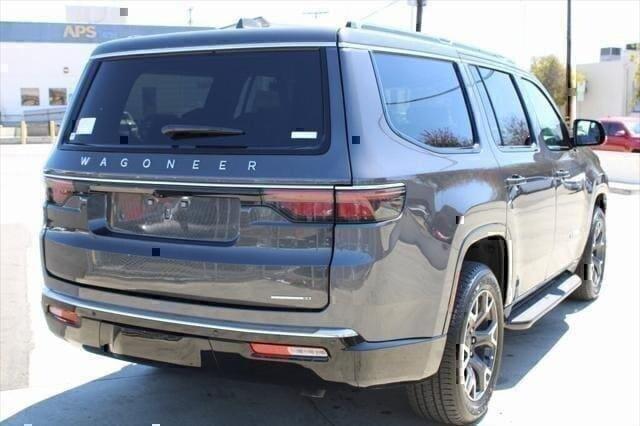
(214, 245)
(237, 219)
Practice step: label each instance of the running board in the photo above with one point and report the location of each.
(524, 314)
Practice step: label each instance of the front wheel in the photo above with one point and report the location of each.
(460, 391)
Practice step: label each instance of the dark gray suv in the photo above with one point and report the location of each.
(360, 206)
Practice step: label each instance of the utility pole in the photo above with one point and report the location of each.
(419, 6)
(570, 88)
(190, 10)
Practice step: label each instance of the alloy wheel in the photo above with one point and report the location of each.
(598, 253)
(477, 352)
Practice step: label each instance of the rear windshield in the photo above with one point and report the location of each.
(251, 100)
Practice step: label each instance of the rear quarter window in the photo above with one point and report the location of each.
(424, 100)
(272, 100)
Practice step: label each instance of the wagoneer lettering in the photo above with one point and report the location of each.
(239, 219)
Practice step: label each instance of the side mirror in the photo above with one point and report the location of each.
(620, 134)
(588, 133)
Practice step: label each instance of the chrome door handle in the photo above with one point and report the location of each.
(561, 174)
(514, 180)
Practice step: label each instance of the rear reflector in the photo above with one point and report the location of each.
(285, 351)
(65, 315)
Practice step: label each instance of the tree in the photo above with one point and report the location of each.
(551, 73)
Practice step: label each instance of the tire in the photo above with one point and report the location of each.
(595, 252)
(443, 397)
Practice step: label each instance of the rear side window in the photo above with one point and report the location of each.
(243, 100)
(424, 100)
(507, 108)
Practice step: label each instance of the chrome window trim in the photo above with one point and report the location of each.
(217, 185)
(410, 52)
(325, 333)
(205, 48)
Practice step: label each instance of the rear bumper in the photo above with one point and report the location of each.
(189, 341)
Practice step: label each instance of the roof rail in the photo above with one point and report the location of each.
(421, 36)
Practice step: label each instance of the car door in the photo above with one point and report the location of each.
(527, 173)
(572, 200)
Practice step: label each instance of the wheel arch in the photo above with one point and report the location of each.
(493, 238)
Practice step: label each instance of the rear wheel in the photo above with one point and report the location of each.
(591, 266)
(460, 392)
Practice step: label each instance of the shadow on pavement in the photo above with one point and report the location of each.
(145, 395)
(524, 349)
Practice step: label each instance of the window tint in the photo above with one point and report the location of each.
(424, 100)
(30, 97)
(506, 105)
(612, 127)
(551, 126)
(486, 103)
(273, 100)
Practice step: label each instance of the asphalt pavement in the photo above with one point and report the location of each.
(578, 365)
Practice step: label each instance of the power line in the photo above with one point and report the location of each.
(379, 10)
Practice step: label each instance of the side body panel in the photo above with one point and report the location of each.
(408, 267)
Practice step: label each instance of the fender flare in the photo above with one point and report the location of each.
(473, 236)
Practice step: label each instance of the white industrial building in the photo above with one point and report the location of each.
(40, 63)
(610, 88)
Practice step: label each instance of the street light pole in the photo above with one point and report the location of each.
(568, 71)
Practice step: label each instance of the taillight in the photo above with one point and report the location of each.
(344, 205)
(369, 205)
(302, 205)
(58, 191)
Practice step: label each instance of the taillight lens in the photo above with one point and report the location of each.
(369, 205)
(305, 205)
(59, 191)
(350, 205)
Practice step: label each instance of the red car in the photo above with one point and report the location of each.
(623, 134)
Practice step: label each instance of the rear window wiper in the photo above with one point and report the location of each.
(186, 131)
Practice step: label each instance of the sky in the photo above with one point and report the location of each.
(518, 29)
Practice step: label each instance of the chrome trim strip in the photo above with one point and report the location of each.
(326, 333)
(365, 187)
(190, 49)
(375, 48)
(305, 298)
(220, 185)
(188, 184)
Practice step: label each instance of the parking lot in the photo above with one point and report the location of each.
(578, 365)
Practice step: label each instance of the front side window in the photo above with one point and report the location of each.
(57, 96)
(505, 102)
(552, 130)
(424, 101)
(30, 97)
(243, 101)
